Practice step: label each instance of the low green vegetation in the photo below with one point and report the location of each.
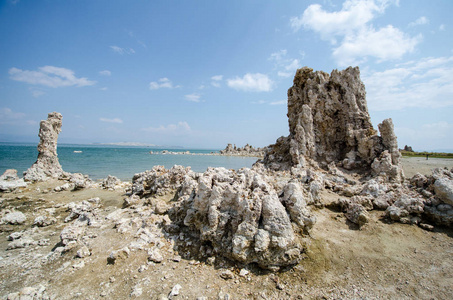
(423, 154)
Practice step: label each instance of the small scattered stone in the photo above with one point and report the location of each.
(226, 274)
(154, 255)
(425, 226)
(83, 252)
(137, 291)
(243, 273)
(14, 218)
(175, 290)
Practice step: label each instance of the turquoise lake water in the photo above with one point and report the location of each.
(99, 161)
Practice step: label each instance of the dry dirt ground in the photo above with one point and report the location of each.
(382, 260)
(412, 165)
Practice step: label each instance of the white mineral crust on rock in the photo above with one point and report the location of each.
(241, 215)
(329, 122)
(47, 165)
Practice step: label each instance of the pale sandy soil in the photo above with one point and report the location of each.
(412, 165)
(382, 260)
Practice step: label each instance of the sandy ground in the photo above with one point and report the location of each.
(382, 260)
(412, 165)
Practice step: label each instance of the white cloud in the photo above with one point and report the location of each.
(122, 51)
(259, 102)
(216, 80)
(36, 93)
(49, 76)
(104, 88)
(385, 44)
(358, 38)
(180, 128)
(420, 21)
(423, 83)
(282, 102)
(278, 56)
(115, 120)
(6, 114)
(442, 27)
(256, 82)
(193, 97)
(161, 83)
(286, 65)
(105, 73)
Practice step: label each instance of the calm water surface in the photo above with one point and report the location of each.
(123, 162)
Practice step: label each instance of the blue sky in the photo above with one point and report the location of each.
(208, 73)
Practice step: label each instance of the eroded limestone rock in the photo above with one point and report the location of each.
(47, 165)
(329, 123)
(159, 181)
(9, 181)
(242, 216)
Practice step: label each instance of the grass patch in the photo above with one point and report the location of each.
(430, 154)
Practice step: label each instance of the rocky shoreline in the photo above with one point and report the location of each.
(230, 150)
(326, 213)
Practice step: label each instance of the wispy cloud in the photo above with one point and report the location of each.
(255, 82)
(180, 128)
(358, 38)
(287, 66)
(279, 55)
(10, 117)
(281, 102)
(49, 76)
(423, 83)
(193, 97)
(115, 120)
(215, 80)
(36, 92)
(6, 115)
(161, 83)
(105, 73)
(122, 51)
(420, 21)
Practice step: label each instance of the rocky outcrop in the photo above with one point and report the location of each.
(159, 181)
(47, 165)
(9, 181)
(247, 150)
(437, 189)
(329, 123)
(408, 148)
(241, 216)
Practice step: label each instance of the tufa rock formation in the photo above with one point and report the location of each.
(241, 215)
(329, 123)
(47, 165)
(247, 150)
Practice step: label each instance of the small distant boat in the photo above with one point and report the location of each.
(77, 151)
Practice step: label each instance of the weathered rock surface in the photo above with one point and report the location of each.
(14, 218)
(438, 188)
(247, 150)
(159, 181)
(110, 182)
(30, 293)
(329, 123)
(9, 181)
(47, 165)
(242, 217)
